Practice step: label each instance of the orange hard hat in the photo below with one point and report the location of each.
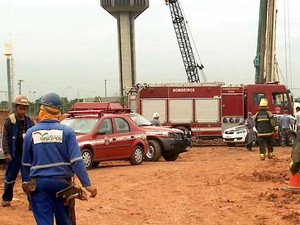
(21, 100)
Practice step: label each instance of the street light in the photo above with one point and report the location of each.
(105, 88)
(34, 101)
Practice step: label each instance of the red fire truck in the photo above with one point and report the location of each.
(206, 109)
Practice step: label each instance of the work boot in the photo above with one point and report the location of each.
(271, 155)
(5, 203)
(262, 156)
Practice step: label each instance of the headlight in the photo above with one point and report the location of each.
(176, 136)
(171, 135)
(241, 131)
(144, 136)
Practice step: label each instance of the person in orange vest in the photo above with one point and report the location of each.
(265, 124)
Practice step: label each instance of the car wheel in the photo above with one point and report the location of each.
(170, 157)
(154, 151)
(137, 156)
(87, 157)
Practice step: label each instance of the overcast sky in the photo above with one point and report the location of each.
(70, 47)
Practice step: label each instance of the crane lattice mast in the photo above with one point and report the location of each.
(265, 61)
(179, 23)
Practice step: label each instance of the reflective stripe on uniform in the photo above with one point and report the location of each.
(262, 119)
(264, 134)
(51, 165)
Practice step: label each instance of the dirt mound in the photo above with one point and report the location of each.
(207, 185)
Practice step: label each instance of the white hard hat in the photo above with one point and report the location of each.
(155, 115)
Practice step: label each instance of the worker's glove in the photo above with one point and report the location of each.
(294, 167)
(8, 158)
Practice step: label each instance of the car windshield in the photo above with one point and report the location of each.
(139, 119)
(80, 125)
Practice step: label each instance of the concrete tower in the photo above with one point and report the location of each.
(126, 11)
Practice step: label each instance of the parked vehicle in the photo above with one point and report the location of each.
(206, 109)
(238, 134)
(107, 137)
(163, 141)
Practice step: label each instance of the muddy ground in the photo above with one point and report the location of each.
(207, 185)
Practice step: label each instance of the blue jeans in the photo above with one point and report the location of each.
(12, 170)
(45, 205)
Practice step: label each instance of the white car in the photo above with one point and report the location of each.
(236, 135)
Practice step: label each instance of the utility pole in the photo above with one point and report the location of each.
(8, 54)
(20, 86)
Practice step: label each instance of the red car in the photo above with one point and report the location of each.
(107, 137)
(163, 141)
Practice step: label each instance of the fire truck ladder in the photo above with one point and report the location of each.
(179, 23)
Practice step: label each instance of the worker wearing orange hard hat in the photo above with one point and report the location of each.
(265, 123)
(14, 129)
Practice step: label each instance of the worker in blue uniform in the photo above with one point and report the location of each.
(51, 156)
(13, 130)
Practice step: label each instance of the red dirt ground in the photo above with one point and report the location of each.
(207, 185)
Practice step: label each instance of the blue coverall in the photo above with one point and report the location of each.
(51, 152)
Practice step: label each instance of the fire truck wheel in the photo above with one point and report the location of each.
(170, 157)
(87, 157)
(137, 156)
(154, 151)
